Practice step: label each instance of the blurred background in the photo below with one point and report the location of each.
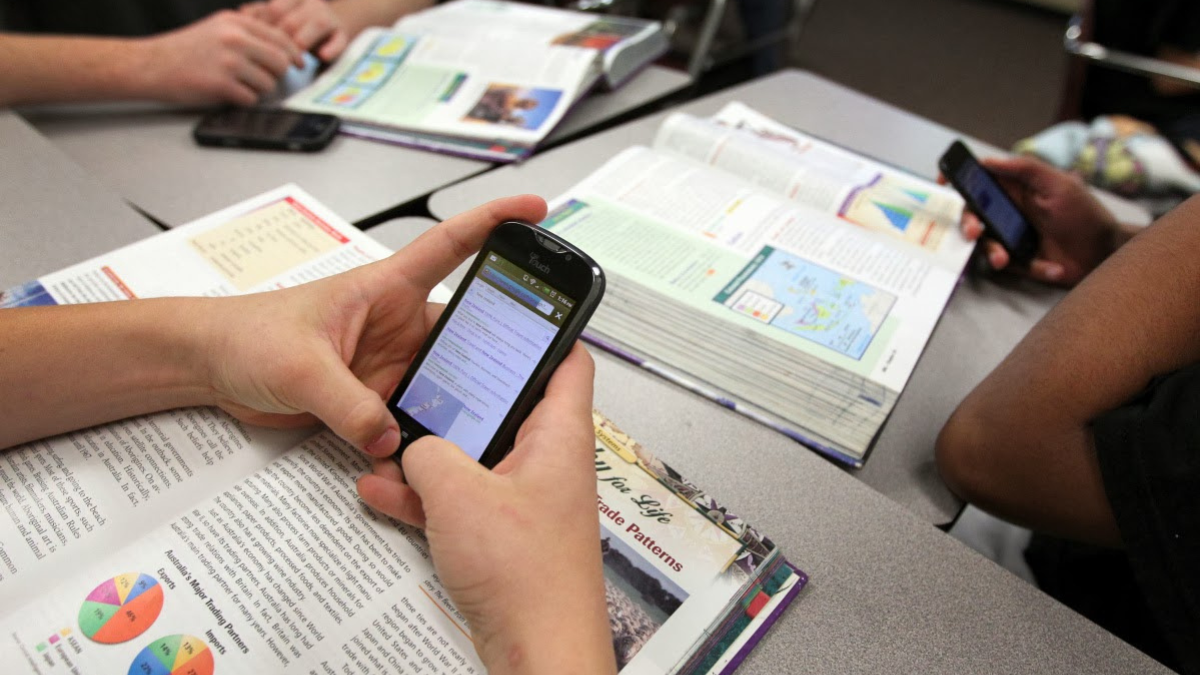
(995, 69)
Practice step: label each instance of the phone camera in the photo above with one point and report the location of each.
(568, 257)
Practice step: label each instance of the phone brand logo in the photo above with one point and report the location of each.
(533, 262)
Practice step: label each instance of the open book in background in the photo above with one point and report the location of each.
(784, 277)
(480, 78)
(189, 542)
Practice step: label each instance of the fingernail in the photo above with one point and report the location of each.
(995, 260)
(1055, 272)
(385, 444)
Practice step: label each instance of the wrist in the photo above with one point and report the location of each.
(1108, 238)
(177, 338)
(574, 638)
(1119, 235)
(135, 68)
(535, 631)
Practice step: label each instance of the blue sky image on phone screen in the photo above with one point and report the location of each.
(993, 203)
(484, 355)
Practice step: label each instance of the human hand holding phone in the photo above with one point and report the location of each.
(1076, 232)
(510, 543)
(333, 349)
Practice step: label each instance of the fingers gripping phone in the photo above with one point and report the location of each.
(512, 320)
(266, 129)
(1001, 218)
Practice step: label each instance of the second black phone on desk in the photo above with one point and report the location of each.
(1001, 218)
(266, 129)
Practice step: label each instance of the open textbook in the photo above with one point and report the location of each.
(784, 277)
(187, 542)
(481, 78)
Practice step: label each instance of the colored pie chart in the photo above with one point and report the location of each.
(121, 608)
(174, 655)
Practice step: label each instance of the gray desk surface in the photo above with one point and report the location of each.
(982, 322)
(652, 84)
(889, 592)
(148, 156)
(52, 212)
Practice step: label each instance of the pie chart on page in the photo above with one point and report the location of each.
(174, 655)
(121, 608)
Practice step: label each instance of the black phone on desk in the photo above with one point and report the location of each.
(267, 129)
(486, 363)
(1001, 218)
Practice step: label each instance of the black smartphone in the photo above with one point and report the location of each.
(267, 129)
(1001, 218)
(486, 363)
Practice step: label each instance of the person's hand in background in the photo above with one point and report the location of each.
(1077, 232)
(229, 57)
(313, 25)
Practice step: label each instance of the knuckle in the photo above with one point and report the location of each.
(232, 36)
(229, 63)
(360, 421)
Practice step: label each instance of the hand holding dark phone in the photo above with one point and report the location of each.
(512, 320)
(266, 129)
(1001, 218)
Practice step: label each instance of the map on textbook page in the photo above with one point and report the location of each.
(813, 302)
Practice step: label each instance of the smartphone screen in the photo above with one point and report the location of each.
(992, 203)
(485, 354)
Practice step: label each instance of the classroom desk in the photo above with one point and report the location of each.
(52, 212)
(983, 320)
(888, 592)
(149, 157)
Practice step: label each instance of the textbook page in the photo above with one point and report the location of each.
(280, 238)
(498, 20)
(71, 497)
(511, 92)
(824, 176)
(286, 571)
(625, 44)
(803, 319)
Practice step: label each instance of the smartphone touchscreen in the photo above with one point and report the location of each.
(486, 354)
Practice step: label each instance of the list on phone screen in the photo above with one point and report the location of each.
(992, 203)
(485, 354)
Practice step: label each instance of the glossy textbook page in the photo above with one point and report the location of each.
(804, 169)
(510, 92)
(788, 313)
(625, 44)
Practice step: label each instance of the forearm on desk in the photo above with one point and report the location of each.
(1020, 445)
(356, 15)
(65, 368)
(51, 69)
